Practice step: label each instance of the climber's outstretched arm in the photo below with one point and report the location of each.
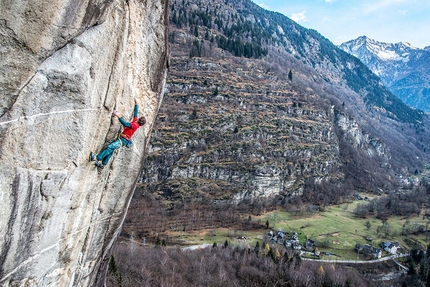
(121, 120)
(136, 109)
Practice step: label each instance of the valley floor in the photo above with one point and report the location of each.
(335, 231)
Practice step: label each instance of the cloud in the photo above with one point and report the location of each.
(382, 4)
(299, 17)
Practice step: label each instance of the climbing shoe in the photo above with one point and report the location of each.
(100, 167)
(92, 156)
(99, 164)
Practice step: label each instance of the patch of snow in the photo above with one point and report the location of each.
(378, 72)
(405, 59)
(406, 44)
(388, 55)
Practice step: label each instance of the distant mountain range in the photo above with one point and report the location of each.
(403, 68)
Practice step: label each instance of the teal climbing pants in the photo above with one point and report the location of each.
(106, 154)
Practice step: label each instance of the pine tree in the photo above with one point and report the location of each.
(196, 49)
(113, 268)
(174, 18)
(225, 244)
(368, 225)
(257, 248)
(193, 115)
(271, 254)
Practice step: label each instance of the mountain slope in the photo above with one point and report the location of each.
(404, 69)
(293, 115)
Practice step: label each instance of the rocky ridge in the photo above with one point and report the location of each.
(404, 69)
(64, 67)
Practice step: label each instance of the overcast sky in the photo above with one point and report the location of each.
(389, 21)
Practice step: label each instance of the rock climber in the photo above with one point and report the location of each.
(124, 139)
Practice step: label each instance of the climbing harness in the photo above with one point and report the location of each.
(128, 144)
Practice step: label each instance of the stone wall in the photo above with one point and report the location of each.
(64, 67)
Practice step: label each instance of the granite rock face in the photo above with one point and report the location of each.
(64, 67)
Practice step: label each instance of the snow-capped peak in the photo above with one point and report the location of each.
(408, 45)
(366, 47)
(403, 68)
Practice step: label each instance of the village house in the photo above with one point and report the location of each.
(293, 242)
(368, 250)
(281, 238)
(390, 247)
(278, 238)
(309, 245)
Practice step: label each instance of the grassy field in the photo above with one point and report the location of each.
(340, 230)
(336, 229)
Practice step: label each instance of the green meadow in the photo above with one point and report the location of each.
(335, 230)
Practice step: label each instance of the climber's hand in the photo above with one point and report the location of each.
(116, 114)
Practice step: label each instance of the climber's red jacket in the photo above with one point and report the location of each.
(130, 127)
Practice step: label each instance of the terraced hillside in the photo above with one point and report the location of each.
(222, 121)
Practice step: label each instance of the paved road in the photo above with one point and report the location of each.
(194, 247)
(392, 257)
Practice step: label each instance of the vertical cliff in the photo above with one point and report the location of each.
(64, 66)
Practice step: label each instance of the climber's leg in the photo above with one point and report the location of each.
(106, 154)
